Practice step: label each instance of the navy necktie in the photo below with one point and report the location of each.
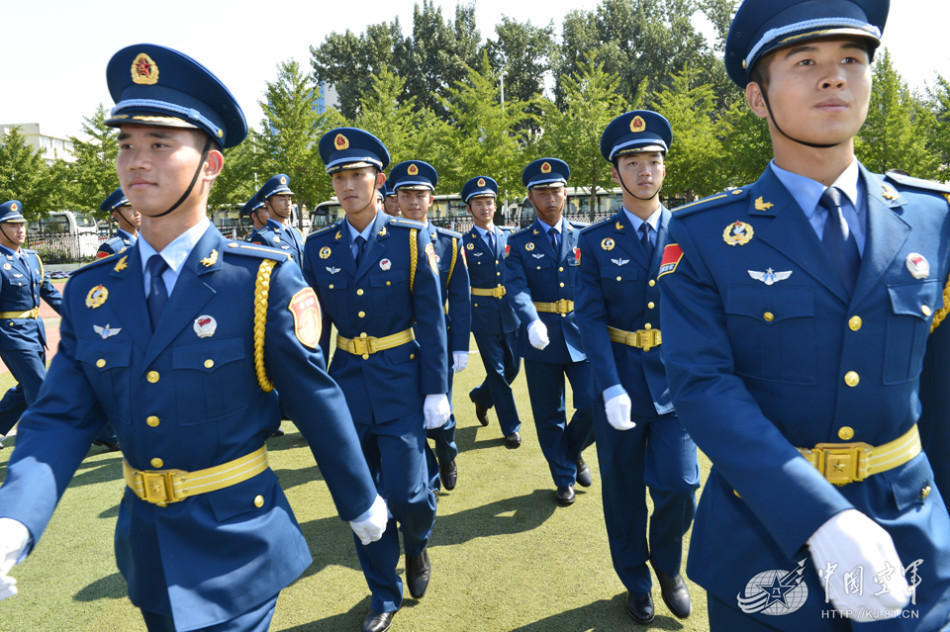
(645, 240)
(157, 293)
(491, 241)
(841, 249)
(553, 234)
(360, 247)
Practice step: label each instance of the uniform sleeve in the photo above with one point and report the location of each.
(592, 318)
(429, 321)
(309, 395)
(722, 416)
(460, 303)
(326, 323)
(517, 285)
(51, 295)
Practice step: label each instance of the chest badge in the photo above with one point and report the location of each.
(529, 246)
(770, 276)
(7, 266)
(470, 246)
(917, 265)
(538, 255)
(607, 243)
(205, 326)
(737, 234)
(325, 252)
(97, 296)
(332, 269)
(620, 262)
(385, 264)
(106, 332)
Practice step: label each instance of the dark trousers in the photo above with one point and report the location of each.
(501, 368)
(28, 367)
(254, 620)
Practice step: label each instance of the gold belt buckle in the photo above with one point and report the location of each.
(563, 306)
(159, 487)
(363, 346)
(499, 291)
(843, 463)
(646, 339)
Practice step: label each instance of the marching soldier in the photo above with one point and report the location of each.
(179, 340)
(128, 220)
(540, 269)
(414, 181)
(494, 321)
(639, 439)
(795, 316)
(277, 231)
(255, 210)
(23, 282)
(378, 281)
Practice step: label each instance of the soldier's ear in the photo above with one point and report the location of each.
(214, 163)
(380, 179)
(756, 100)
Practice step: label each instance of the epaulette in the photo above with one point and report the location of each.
(917, 183)
(447, 232)
(712, 201)
(595, 226)
(323, 231)
(406, 223)
(523, 231)
(254, 250)
(579, 225)
(93, 264)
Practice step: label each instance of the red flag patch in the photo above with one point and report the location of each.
(672, 255)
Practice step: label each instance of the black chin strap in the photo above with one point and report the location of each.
(194, 179)
(768, 106)
(623, 185)
(5, 235)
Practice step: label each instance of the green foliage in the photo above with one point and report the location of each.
(23, 174)
(524, 53)
(939, 133)
(746, 143)
(91, 177)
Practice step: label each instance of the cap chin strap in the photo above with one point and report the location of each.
(768, 106)
(623, 185)
(6, 236)
(194, 179)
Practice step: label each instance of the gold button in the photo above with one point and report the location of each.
(563, 315)
(258, 501)
(365, 356)
(768, 317)
(474, 304)
(499, 273)
(152, 421)
(846, 433)
(925, 491)
(561, 283)
(539, 267)
(651, 283)
(648, 326)
(619, 278)
(361, 314)
(412, 356)
(101, 362)
(157, 462)
(560, 269)
(736, 494)
(851, 378)
(925, 310)
(651, 305)
(389, 283)
(854, 323)
(209, 363)
(330, 286)
(153, 376)
(359, 292)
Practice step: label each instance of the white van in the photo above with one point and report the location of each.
(73, 233)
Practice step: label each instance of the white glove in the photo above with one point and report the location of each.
(618, 412)
(538, 335)
(14, 537)
(459, 361)
(436, 410)
(851, 540)
(371, 528)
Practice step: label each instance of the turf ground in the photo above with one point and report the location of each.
(504, 557)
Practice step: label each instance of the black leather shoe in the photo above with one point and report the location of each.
(564, 496)
(640, 608)
(674, 592)
(418, 571)
(513, 441)
(108, 444)
(583, 474)
(378, 621)
(449, 473)
(481, 413)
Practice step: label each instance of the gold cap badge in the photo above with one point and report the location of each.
(545, 167)
(283, 180)
(413, 170)
(341, 142)
(14, 206)
(144, 70)
(637, 124)
(481, 182)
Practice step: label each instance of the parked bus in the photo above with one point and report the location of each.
(64, 236)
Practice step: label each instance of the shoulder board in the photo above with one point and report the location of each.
(524, 231)
(406, 223)
(604, 222)
(323, 231)
(579, 225)
(93, 264)
(28, 251)
(917, 183)
(713, 201)
(254, 250)
(447, 232)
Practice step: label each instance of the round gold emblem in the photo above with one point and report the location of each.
(607, 243)
(529, 246)
(325, 252)
(637, 124)
(481, 182)
(144, 70)
(97, 296)
(470, 246)
(545, 167)
(413, 169)
(341, 142)
(737, 234)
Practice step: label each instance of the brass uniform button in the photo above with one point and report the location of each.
(412, 356)
(474, 304)
(209, 363)
(101, 362)
(152, 421)
(651, 305)
(157, 462)
(620, 278)
(854, 323)
(330, 286)
(846, 433)
(359, 291)
(925, 491)
(648, 326)
(153, 377)
(561, 283)
(652, 283)
(925, 310)
(258, 501)
(851, 378)
(560, 269)
(499, 273)
(768, 317)
(361, 314)
(389, 283)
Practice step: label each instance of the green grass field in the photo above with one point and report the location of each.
(504, 557)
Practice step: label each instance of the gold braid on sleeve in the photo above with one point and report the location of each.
(455, 257)
(261, 291)
(942, 312)
(413, 256)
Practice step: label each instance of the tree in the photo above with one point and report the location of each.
(91, 176)
(524, 53)
(746, 142)
(939, 133)
(22, 171)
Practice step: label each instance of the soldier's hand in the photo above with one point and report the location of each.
(436, 410)
(618, 412)
(459, 361)
(849, 540)
(373, 526)
(538, 335)
(14, 537)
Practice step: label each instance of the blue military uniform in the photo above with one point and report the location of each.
(541, 282)
(618, 310)
(391, 352)
(282, 236)
(193, 394)
(454, 285)
(249, 208)
(494, 321)
(121, 239)
(935, 401)
(23, 282)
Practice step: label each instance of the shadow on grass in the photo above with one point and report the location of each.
(467, 437)
(605, 615)
(351, 620)
(109, 587)
(502, 517)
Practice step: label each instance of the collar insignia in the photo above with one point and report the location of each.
(121, 264)
(762, 205)
(211, 259)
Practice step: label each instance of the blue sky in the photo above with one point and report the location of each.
(53, 53)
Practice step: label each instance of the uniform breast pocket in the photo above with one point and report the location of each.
(907, 328)
(390, 278)
(207, 374)
(616, 277)
(772, 331)
(106, 365)
(331, 281)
